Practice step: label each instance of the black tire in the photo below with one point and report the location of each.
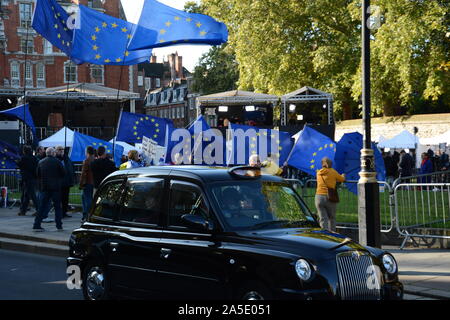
(95, 281)
(253, 290)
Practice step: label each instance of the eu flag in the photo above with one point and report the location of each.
(81, 141)
(101, 39)
(161, 26)
(50, 20)
(245, 141)
(309, 150)
(133, 126)
(208, 145)
(22, 113)
(348, 159)
(9, 154)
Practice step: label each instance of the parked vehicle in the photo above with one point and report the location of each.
(191, 232)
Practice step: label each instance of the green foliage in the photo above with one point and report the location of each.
(282, 45)
(216, 71)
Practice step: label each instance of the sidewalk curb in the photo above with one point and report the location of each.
(424, 294)
(37, 247)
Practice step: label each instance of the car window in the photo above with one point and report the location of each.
(107, 199)
(259, 204)
(186, 198)
(142, 200)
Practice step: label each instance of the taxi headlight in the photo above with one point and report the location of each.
(303, 269)
(389, 263)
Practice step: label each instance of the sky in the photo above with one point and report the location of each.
(190, 53)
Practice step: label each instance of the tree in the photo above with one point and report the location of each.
(217, 71)
(282, 45)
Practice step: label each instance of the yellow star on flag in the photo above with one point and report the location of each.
(114, 25)
(94, 37)
(97, 29)
(177, 18)
(162, 31)
(118, 60)
(124, 29)
(107, 61)
(97, 56)
(198, 24)
(104, 24)
(188, 19)
(95, 47)
(168, 23)
(203, 33)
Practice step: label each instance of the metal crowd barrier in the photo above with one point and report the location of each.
(422, 210)
(347, 208)
(11, 179)
(435, 177)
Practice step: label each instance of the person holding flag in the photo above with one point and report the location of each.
(327, 179)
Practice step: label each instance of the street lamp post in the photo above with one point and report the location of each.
(368, 190)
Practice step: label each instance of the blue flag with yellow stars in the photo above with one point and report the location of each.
(348, 159)
(245, 141)
(9, 154)
(133, 126)
(161, 26)
(103, 40)
(81, 141)
(22, 113)
(51, 21)
(309, 150)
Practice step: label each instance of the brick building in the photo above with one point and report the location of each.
(30, 63)
(166, 89)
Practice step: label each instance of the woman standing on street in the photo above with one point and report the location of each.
(87, 181)
(327, 178)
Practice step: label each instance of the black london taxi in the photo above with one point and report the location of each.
(193, 232)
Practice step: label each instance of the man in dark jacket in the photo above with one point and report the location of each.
(101, 167)
(50, 174)
(406, 164)
(391, 167)
(28, 165)
(68, 180)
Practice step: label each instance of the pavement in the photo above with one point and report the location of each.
(424, 272)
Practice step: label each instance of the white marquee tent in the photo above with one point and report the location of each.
(60, 138)
(404, 140)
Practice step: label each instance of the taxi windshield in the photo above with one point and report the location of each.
(256, 204)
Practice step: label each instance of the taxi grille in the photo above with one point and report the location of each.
(358, 279)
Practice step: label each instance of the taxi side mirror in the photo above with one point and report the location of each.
(197, 222)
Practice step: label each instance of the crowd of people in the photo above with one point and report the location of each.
(48, 176)
(403, 165)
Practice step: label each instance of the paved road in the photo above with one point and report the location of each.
(27, 276)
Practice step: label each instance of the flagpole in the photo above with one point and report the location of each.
(25, 83)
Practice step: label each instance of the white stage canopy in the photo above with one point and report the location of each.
(60, 138)
(404, 140)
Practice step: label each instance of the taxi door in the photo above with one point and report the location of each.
(192, 263)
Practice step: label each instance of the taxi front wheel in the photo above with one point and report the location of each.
(254, 290)
(95, 282)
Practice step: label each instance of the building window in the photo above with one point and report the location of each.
(26, 12)
(140, 81)
(26, 46)
(40, 75)
(157, 82)
(97, 74)
(29, 75)
(147, 83)
(48, 47)
(70, 72)
(15, 74)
